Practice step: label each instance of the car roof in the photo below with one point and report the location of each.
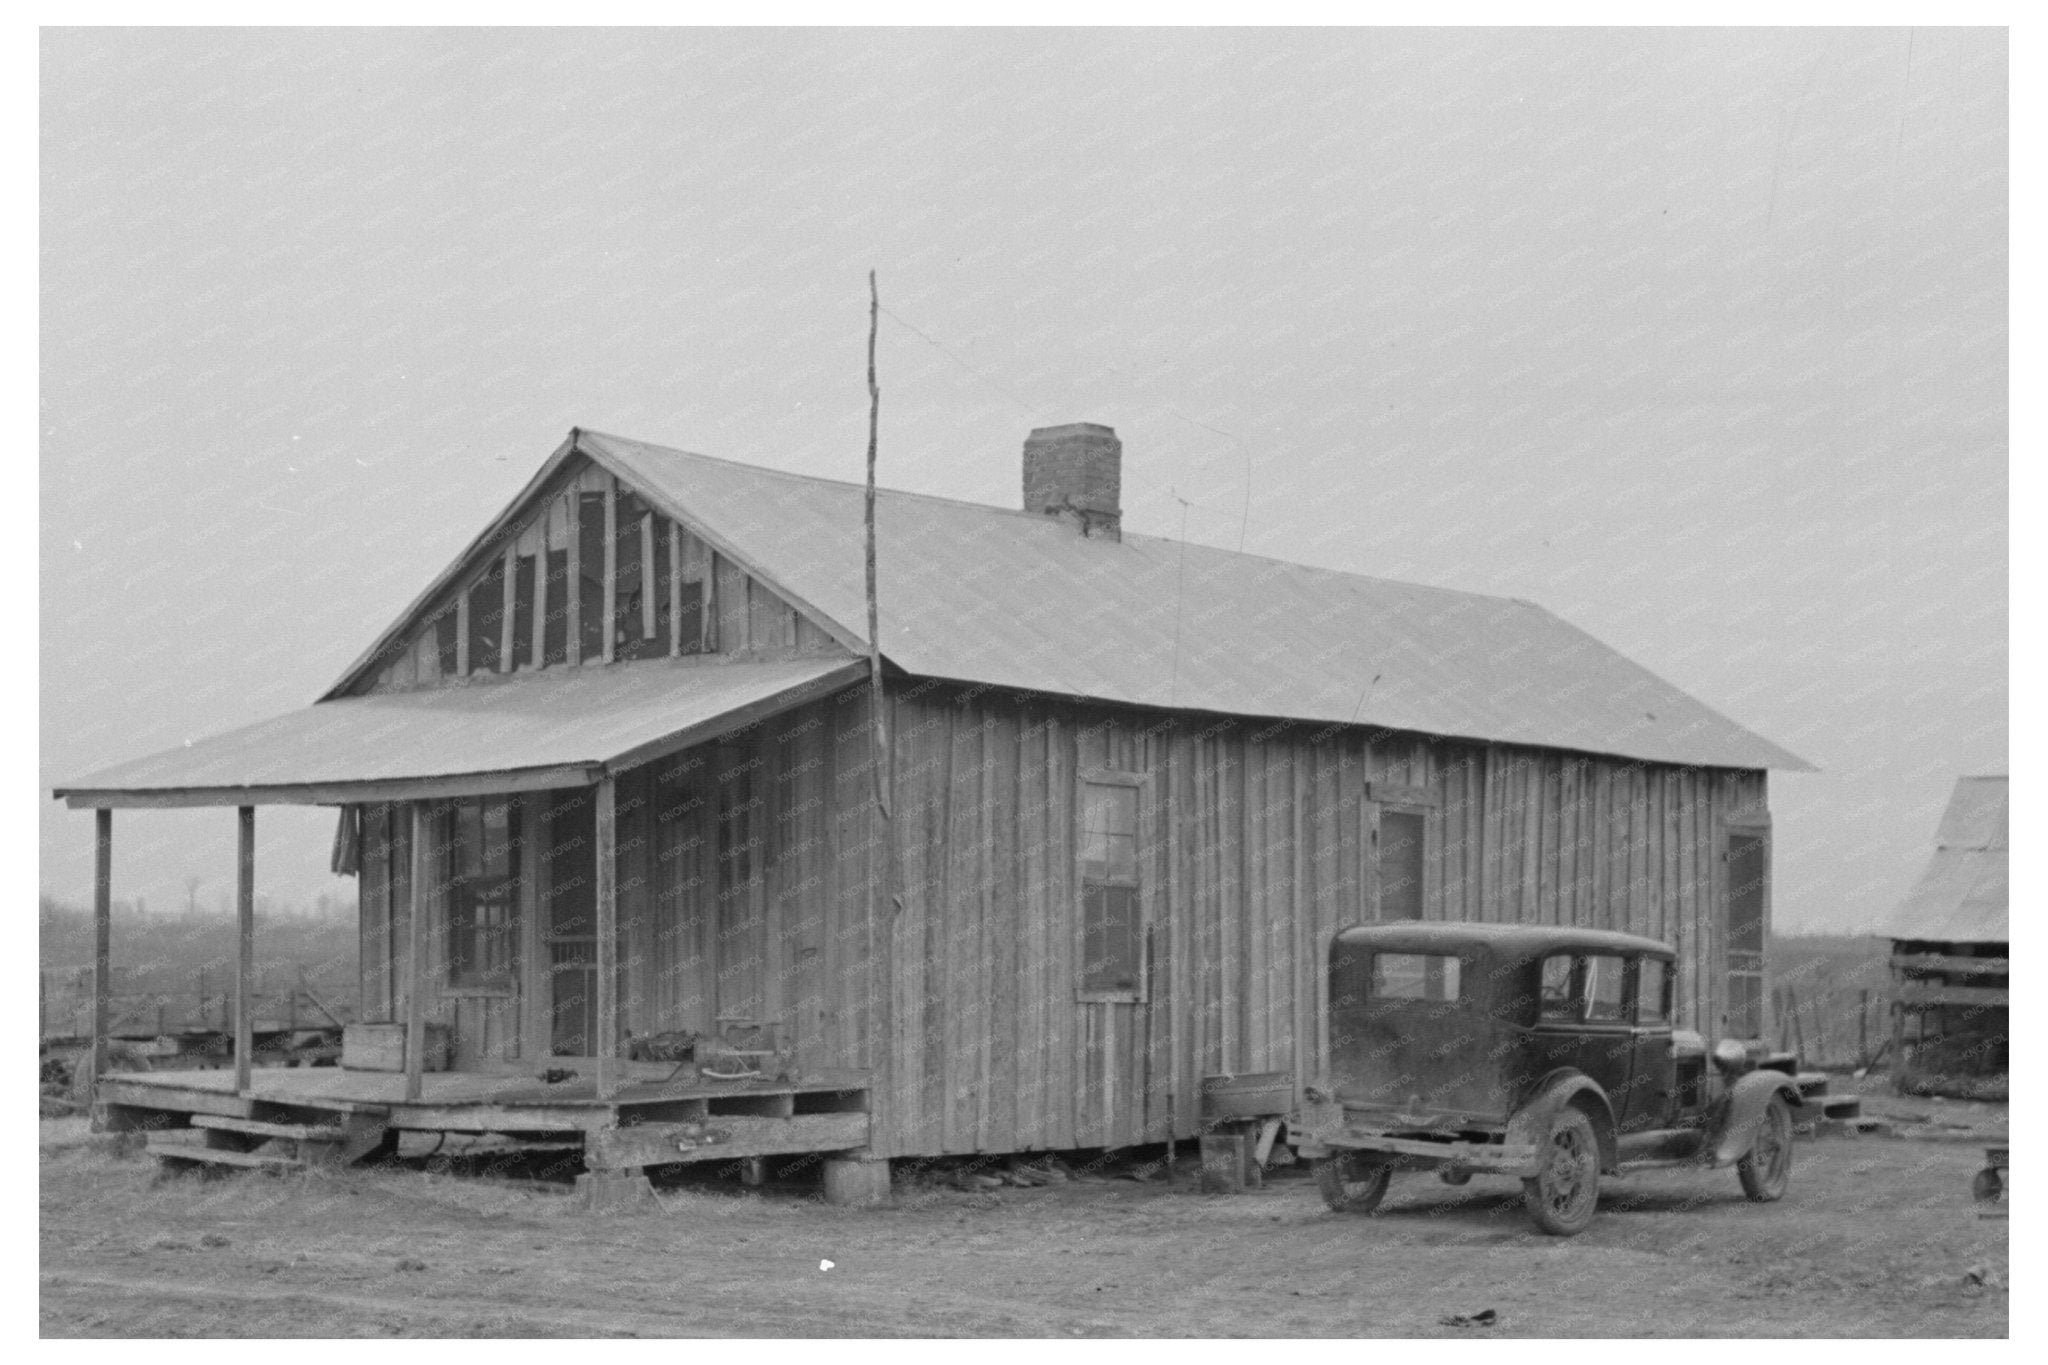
(1502, 940)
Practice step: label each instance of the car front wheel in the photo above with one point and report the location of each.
(1352, 1182)
(1565, 1190)
(1767, 1169)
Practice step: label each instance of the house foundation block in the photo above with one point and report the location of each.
(615, 1192)
(1226, 1163)
(856, 1180)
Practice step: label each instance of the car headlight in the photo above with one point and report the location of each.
(1730, 1055)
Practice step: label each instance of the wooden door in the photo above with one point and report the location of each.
(741, 953)
(569, 937)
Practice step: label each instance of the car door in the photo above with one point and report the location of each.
(1607, 1043)
(1650, 1076)
(1584, 1020)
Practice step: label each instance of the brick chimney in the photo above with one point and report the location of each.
(1075, 472)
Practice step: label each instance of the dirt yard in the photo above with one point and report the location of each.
(1877, 1238)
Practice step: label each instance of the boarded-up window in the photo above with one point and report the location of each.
(1112, 936)
(482, 874)
(1748, 868)
(487, 619)
(590, 576)
(522, 607)
(1401, 848)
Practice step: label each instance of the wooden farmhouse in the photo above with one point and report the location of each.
(629, 868)
(1951, 946)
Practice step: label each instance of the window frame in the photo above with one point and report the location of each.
(1394, 798)
(1138, 881)
(1582, 1002)
(1457, 973)
(1637, 961)
(1734, 963)
(453, 889)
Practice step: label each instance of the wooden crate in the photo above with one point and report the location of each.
(381, 1047)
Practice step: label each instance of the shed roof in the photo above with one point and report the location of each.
(988, 595)
(554, 728)
(1962, 894)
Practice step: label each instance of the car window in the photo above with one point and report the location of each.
(1557, 988)
(1414, 976)
(1606, 999)
(1652, 980)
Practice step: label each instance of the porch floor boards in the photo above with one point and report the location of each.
(525, 1100)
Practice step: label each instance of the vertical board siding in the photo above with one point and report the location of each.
(749, 617)
(1257, 852)
(959, 991)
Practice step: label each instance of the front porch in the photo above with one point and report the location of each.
(551, 954)
(295, 1118)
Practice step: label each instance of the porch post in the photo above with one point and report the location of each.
(102, 936)
(245, 949)
(607, 940)
(415, 936)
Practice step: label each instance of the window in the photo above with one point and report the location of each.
(1748, 882)
(590, 530)
(444, 642)
(487, 618)
(640, 604)
(1557, 1000)
(1401, 846)
(554, 631)
(1112, 936)
(482, 871)
(1653, 982)
(522, 608)
(1414, 976)
(1605, 996)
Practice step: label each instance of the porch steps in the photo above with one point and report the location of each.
(296, 1138)
(1820, 1107)
(296, 1132)
(171, 1147)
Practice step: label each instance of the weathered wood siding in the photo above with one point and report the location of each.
(1257, 843)
(741, 868)
(736, 613)
(743, 883)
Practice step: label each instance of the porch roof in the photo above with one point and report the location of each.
(563, 727)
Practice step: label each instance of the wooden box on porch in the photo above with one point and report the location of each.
(381, 1047)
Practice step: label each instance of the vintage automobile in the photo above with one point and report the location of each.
(1541, 1052)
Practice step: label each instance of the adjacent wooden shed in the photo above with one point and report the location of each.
(1950, 954)
(610, 785)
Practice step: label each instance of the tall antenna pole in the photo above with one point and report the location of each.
(875, 730)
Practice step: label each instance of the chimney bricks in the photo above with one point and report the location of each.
(1075, 472)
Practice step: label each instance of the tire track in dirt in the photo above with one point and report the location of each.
(101, 1296)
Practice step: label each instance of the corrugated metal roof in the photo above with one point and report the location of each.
(535, 723)
(987, 595)
(1962, 895)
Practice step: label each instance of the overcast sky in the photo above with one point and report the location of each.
(1697, 338)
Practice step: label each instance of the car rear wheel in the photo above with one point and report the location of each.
(1565, 1190)
(1353, 1182)
(1768, 1168)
